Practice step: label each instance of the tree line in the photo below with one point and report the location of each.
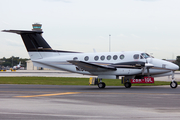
(13, 61)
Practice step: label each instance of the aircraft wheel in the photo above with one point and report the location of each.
(173, 84)
(127, 84)
(101, 85)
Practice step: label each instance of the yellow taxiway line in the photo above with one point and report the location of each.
(66, 93)
(71, 93)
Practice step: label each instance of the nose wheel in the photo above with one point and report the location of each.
(173, 84)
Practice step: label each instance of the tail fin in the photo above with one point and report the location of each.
(36, 46)
(32, 40)
(19, 63)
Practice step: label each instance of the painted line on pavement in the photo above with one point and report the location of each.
(42, 95)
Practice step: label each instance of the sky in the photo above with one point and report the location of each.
(151, 26)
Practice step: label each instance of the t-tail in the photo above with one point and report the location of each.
(36, 46)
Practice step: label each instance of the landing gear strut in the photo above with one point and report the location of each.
(173, 84)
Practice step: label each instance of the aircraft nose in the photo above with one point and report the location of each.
(175, 67)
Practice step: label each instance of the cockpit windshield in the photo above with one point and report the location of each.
(145, 55)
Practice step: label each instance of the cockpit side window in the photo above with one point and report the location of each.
(136, 56)
(145, 55)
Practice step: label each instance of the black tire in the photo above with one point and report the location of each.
(101, 85)
(173, 84)
(127, 84)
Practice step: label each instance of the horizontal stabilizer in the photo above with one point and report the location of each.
(22, 31)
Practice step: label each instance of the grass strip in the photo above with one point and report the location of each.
(67, 81)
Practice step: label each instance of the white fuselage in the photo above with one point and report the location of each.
(59, 61)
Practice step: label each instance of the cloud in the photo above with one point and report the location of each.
(135, 36)
(147, 0)
(65, 1)
(121, 35)
(13, 43)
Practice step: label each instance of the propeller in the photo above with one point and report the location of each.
(147, 66)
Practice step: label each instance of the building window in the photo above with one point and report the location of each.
(136, 56)
(96, 58)
(86, 58)
(108, 57)
(102, 57)
(115, 57)
(121, 57)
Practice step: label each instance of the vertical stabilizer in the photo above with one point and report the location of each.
(34, 42)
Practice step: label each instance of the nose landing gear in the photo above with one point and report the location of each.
(173, 84)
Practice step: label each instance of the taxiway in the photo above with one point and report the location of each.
(88, 102)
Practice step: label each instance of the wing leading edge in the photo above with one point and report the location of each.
(91, 67)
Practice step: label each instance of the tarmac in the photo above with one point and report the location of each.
(57, 102)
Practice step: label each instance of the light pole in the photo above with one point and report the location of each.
(109, 43)
(12, 61)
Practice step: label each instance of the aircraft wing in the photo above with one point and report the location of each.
(91, 67)
(131, 64)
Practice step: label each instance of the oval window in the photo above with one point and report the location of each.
(86, 58)
(96, 58)
(115, 57)
(102, 57)
(121, 57)
(108, 57)
(136, 56)
(75, 58)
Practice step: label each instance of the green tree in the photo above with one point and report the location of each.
(178, 61)
(13, 61)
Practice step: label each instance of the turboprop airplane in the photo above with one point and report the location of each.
(135, 66)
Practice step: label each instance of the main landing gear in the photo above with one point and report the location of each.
(101, 84)
(127, 85)
(98, 82)
(173, 84)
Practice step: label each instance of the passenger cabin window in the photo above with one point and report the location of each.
(121, 57)
(75, 58)
(136, 56)
(86, 58)
(96, 58)
(145, 55)
(102, 57)
(115, 57)
(108, 57)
